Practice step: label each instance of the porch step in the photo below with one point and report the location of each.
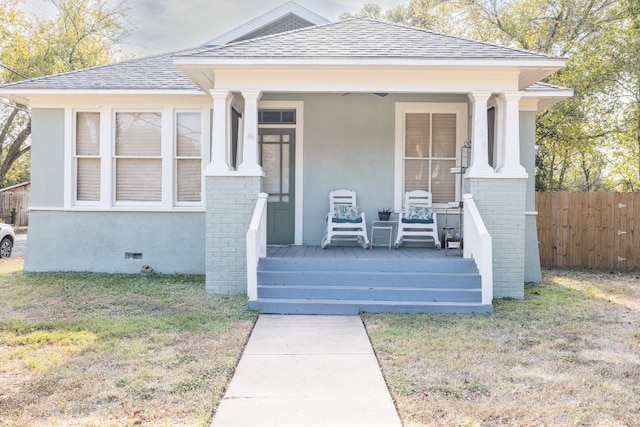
(374, 293)
(450, 265)
(350, 286)
(370, 278)
(354, 307)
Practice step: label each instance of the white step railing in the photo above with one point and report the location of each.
(256, 244)
(478, 245)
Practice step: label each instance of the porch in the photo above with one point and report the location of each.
(349, 280)
(357, 252)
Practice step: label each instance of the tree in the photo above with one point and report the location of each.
(574, 138)
(19, 172)
(438, 15)
(627, 95)
(583, 141)
(369, 11)
(82, 34)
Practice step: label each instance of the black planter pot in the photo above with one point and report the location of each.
(384, 216)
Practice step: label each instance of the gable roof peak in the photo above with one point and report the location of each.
(262, 21)
(204, 49)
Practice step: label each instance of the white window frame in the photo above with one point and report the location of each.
(175, 157)
(107, 113)
(75, 157)
(114, 158)
(461, 110)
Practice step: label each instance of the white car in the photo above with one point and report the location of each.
(7, 237)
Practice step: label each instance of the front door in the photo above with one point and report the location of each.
(277, 154)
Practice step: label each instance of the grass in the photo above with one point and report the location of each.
(81, 349)
(568, 355)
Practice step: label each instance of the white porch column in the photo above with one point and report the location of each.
(499, 136)
(511, 141)
(479, 151)
(250, 165)
(220, 138)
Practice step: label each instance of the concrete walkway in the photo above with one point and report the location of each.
(307, 371)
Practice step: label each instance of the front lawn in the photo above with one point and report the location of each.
(81, 349)
(568, 355)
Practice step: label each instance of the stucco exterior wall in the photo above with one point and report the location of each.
(501, 203)
(47, 157)
(97, 241)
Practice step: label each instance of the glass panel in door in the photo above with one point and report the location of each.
(277, 159)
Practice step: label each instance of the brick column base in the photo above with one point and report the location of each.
(501, 203)
(230, 204)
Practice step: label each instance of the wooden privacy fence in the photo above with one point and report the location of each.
(589, 230)
(15, 199)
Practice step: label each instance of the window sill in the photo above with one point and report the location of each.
(158, 209)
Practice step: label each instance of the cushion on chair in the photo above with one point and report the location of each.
(418, 215)
(342, 220)
(346, 213)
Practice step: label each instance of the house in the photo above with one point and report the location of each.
(14, 204)
(160, 160)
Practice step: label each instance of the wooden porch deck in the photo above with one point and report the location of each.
(356, 252)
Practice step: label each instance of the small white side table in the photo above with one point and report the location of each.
(386, 226)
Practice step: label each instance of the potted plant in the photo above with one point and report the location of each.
(384, 214)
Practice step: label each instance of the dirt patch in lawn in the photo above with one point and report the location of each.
(569, 355)
(81, 349)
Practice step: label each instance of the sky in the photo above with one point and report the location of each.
(166, 25)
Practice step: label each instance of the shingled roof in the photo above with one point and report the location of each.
(344, 40)
(155, 72)
(365, 38)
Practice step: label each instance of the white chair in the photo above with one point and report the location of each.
(418, 222)
(344, 220)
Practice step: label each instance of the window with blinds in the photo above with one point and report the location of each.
(138, 157)
(87, 156)
(430, 153)
(188, 157)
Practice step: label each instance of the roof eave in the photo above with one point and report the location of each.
(23, 96)
(200, 70)
(548, 97)
(552, 63)
(15, 98)
(203, 77)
